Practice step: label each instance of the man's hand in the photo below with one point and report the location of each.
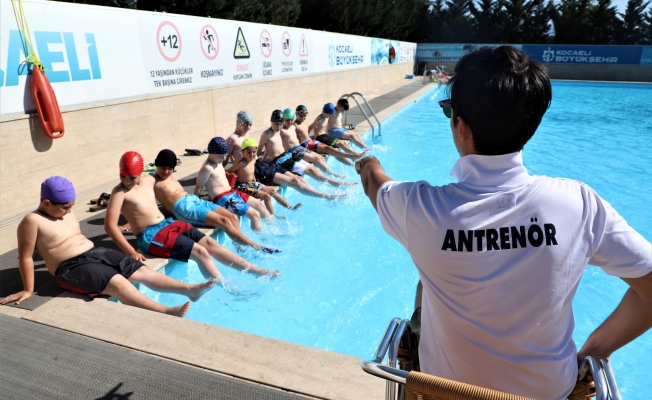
(17, 297)
(138, 256)
(364, 161)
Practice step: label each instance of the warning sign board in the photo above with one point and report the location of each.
(241, 50)
(266, 43)
(303, 46)
(168, 40)
(286, 44)
(209, 42)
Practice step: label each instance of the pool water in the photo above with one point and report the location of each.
(343, 278)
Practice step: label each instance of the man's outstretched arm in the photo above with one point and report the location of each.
(631, 319)
(372, 175)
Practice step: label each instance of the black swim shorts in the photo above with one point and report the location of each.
(327, 140)
(265, 171)
(90, 272)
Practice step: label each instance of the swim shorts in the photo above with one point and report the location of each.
(299, 167)
(192, 209)
(264, 171)
(327, 140)
(337, 133)
(234, 201)
(169, 239)
(311, 144)
(250, 188)
(285, 161)
(90, 272)
(298, 152)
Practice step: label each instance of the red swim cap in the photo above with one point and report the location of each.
(131, 164)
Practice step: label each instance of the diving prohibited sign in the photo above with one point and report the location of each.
(266, 43)
(168, 40)
(286, 43)
(209, 42)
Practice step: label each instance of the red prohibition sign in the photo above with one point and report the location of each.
(173, 41)
(266, 43)
(209, 41)
(286, 44)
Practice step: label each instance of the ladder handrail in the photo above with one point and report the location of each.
(352, 95)
(603, 376)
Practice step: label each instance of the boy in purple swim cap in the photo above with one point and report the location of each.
(81, 267)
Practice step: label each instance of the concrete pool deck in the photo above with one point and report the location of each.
(287, 366)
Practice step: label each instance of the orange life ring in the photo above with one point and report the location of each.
(46, 104)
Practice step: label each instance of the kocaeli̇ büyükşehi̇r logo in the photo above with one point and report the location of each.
(548, 55)
(331, 55)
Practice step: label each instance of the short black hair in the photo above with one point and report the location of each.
(344, 103)
(502, 94)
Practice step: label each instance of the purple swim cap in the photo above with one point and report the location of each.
(57, 189)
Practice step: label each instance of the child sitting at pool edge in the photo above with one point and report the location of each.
(246, 183)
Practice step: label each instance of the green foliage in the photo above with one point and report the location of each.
(633, 27)
(451, 21)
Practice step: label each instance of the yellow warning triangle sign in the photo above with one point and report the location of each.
(303, 46)
(241, 49)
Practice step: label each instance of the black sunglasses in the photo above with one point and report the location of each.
(446, 107)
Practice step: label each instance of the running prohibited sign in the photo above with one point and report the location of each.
(266, 43)
(209, 42)
(168, 41)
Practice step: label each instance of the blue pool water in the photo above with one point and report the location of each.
(343, 278)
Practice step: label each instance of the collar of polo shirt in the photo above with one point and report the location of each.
(504, 171)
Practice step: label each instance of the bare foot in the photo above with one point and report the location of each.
(179, 311)
(339, 175)
(335, 196)
(296, 207)
(198, 290)
(360, 155)
(280, 217)
(275, 273)
(349, 183)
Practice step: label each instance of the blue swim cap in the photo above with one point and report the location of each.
(288, 114)
(57, 189)
(218, 145)
(329, 108)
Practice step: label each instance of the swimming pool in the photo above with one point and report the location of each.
(343, 278)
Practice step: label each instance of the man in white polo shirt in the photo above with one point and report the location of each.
(500, 253)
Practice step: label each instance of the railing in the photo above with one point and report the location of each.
(603, 376)
(371, 110)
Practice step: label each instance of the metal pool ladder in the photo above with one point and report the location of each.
(603, 376)
(371, 110)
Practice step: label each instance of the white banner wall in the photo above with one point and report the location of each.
(94, 54)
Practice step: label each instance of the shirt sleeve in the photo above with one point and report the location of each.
(617, 248)
(391, 202)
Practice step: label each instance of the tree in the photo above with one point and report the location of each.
(485, 21)
(457, 24)
(604, 22)
(648, 27)
(572, 22)
(106, 3)
(431, 30)
(245, 10)
(537, 21)
(633, 26)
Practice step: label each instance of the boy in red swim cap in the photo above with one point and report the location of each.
(53, 231)
(158, 236)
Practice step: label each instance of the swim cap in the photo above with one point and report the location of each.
(249, 142)
(57, 189)
(329, 108)
(301, 109)
(218, 145)
(131, 164)
(288, 114)
(166, 158)
(244, 116)
(277, 116)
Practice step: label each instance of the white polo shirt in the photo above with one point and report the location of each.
(500, 255)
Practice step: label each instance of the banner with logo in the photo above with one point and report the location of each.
(560, 54)
(93, 54)
(578, 54)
